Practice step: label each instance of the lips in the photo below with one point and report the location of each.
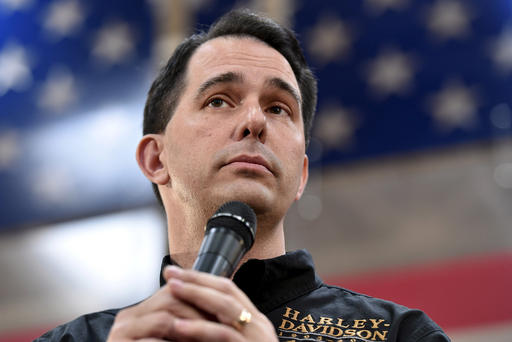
(256, 162)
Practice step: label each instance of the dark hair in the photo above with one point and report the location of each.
(166, 90)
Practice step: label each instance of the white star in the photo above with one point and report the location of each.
(501, 51)
(16, 5)
(329, 39)
(379, 6)
(9, 149)
(114, 44)
(501, 116)
(58, 91)
(335, 126)
(455, 105)
(391, 72)
(53, 185)
(63, 18)
(449, 19)
(14, 69)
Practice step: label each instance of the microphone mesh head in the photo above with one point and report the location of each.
(238, 217)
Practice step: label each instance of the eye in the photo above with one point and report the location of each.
(276, 110)
(217, 102)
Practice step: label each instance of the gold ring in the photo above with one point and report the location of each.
(243, 319)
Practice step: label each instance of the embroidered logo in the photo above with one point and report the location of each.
(298, 326)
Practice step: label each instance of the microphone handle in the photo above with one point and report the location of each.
(220, 252)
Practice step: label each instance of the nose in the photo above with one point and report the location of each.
(253, 123)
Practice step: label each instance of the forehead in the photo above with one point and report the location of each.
(245, 55)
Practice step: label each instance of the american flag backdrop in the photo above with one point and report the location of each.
(72, 85)
(397, 78)
(394, 77)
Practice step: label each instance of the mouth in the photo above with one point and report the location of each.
(252, 163)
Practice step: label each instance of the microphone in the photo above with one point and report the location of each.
(229, 234)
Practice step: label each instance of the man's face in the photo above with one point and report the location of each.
(237, 132)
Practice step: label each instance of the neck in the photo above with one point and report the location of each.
(269, 243)
(186, 235)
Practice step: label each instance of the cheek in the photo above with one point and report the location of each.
(204, 132)
(294, 161)
(190, 143)
(299, 153)
(198, 126)
(190, 133)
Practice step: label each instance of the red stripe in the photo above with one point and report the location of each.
(25, 335)
(456, 294)
(465, 293)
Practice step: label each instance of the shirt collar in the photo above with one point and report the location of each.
(270, 283)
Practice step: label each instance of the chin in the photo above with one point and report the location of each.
(259, 199)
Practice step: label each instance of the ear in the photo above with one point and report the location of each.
(148, 154)
(304, 178)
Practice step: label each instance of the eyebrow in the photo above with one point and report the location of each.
(235, 77)
(283, 85)
(227, 77)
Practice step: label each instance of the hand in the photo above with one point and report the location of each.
(220, 298)
(153, 319)
(192, 306)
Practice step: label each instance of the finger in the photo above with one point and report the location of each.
(221, 284)
(200, 330)
(226, 308)
(157, 325)
(164, 300)
(167, 273)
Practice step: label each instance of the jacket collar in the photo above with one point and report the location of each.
(270, 283)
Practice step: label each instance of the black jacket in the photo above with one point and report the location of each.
(302, 308)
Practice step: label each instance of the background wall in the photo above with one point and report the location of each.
(410, 193)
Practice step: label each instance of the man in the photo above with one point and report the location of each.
(227, 119)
